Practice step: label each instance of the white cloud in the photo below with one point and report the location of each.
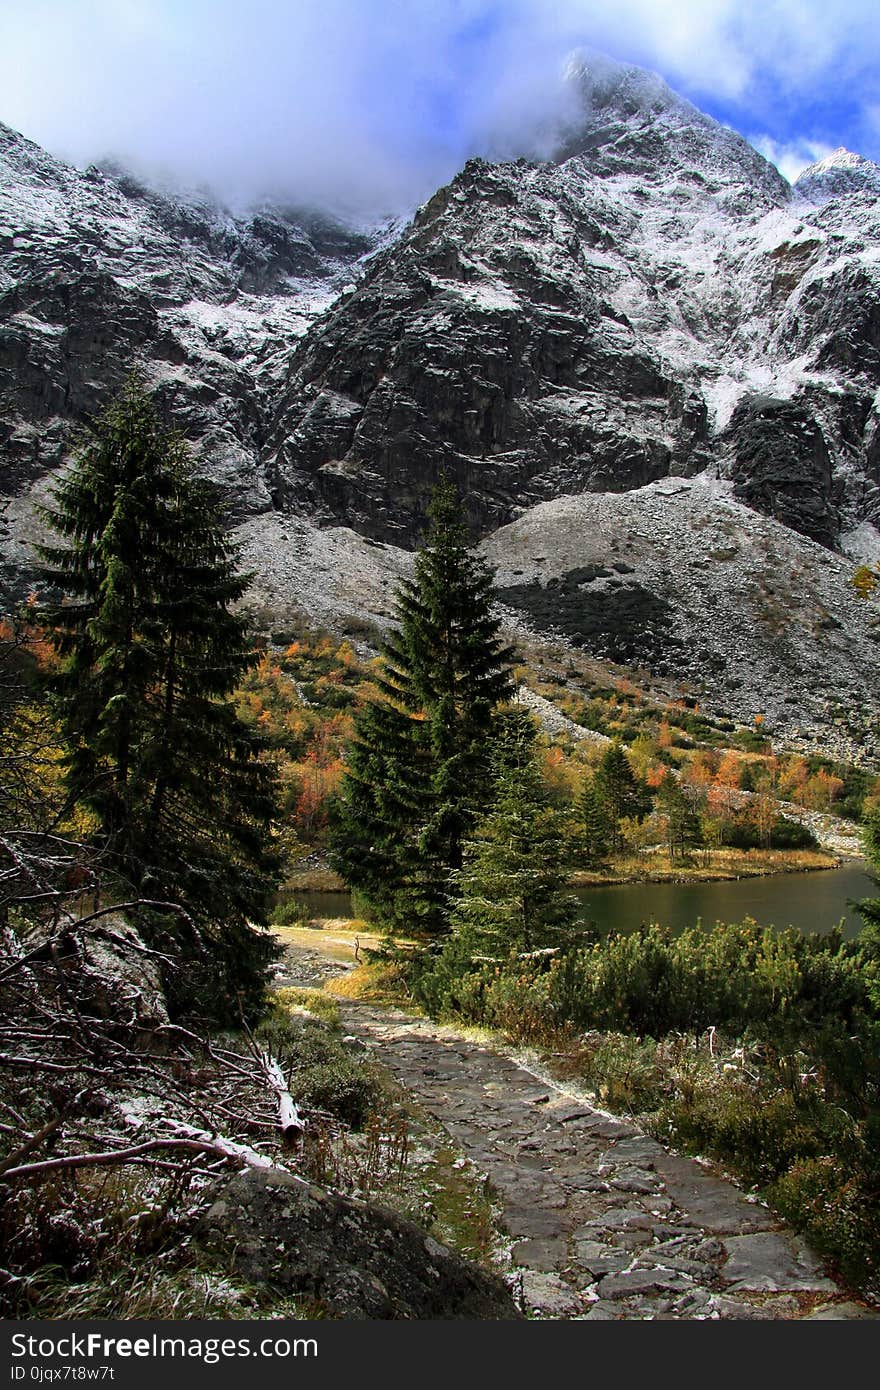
(349, 100)
(792, 157)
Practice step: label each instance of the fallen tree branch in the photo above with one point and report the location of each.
(32, 1142)
(290, 1121)
(229, 1147)
(97, 1160)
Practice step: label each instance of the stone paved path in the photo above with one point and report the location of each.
(604, 1223)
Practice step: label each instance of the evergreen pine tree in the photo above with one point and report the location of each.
(374, 820)
(150, 651)
(418, 768)
(595, 826)
(511, 892)
(683, 830)
(619, 791)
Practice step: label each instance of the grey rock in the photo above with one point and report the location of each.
(634, 1180)
(616, 1220)
(549, 1296)
(710, 1202)
(599, 1260)
(602, 1312)
(541, 1255)
(782, 466)
(773, 1260)
(357, 1259)
(630, 1152)
(643, 1281)
(106, 274)
(730, 1309)
(530, 1225)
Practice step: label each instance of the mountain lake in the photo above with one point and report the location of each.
(812, 902)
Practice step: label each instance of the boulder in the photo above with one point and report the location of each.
(356, 1259)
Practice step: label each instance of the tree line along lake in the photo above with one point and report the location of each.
(812, 902)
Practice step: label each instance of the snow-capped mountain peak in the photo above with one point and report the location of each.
(839, 174)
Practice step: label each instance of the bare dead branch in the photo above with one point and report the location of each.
(96, 1160)
(32, 1142)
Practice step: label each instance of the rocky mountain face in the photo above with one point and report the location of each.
(99, 273)
(656, 302)
(653, 309)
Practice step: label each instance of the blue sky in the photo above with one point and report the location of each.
(376, 102)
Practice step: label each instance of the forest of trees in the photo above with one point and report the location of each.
(163, 762)
(194, 763)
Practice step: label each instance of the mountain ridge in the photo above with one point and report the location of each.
(654, 306)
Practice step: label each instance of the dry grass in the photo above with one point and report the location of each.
(376, 982)
(722, 864)
(337, 938)
(360, 983)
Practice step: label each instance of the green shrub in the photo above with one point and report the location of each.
(625, 1072)
(290, 912)
(790, 834)
(653, 981)
(323, 1075)
(834, 1202)
(762, 1135)
(342, 1087)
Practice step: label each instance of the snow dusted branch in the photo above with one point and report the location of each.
(131, 1154)
(290, 1121)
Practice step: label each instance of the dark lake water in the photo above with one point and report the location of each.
(813, 902)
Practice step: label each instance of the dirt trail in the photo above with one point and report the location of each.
(603, 1222)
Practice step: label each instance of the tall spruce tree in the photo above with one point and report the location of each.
(511, 892)
(620, 792)
(418, 770)
(595, 827)
(150, 650)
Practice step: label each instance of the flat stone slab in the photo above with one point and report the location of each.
(616, 1221)
(528, 1225)
(635, 1152)
(542, 1255)
(603, 1312)
(598, 1260)
(564, 1111)
(710, 1202)
(549, 1296)
(631, 1283)
(773, 1261)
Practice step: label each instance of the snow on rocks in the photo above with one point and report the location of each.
(764, 622)
(653, 302)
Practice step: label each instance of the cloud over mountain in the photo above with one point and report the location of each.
(358, 103)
